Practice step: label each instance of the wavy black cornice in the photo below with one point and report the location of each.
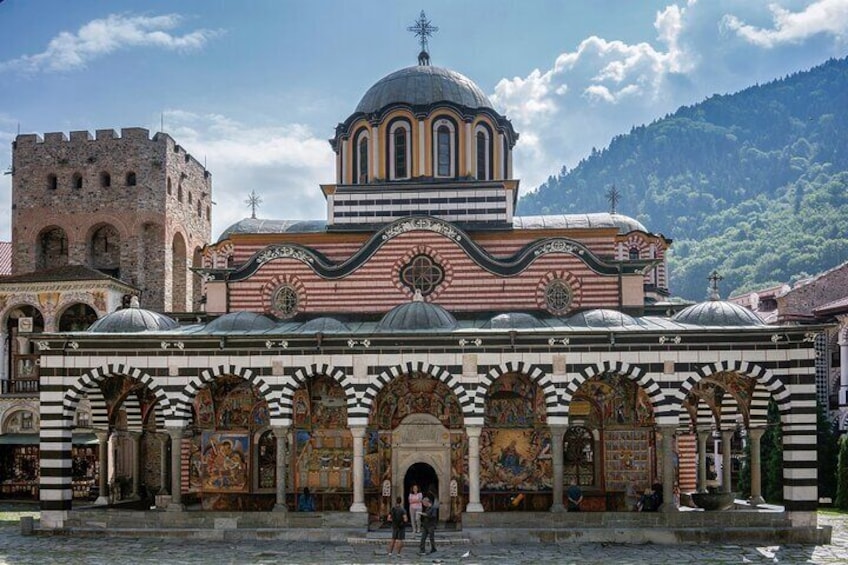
(504, 267)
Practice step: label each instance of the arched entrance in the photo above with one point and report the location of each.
(423, 475)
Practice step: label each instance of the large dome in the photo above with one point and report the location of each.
(423, 85)
(417, 316)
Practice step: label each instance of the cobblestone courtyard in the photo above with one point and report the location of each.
(41, 550)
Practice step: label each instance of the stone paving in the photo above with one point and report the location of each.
(43, 550)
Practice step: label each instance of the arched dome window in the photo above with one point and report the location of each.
(360, 165)
(483, 140)
(633, 254)
(399, 150)
(444, 148)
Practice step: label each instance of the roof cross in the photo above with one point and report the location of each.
(254, 200)
(714, 279)
(423, 29)
(614, 196)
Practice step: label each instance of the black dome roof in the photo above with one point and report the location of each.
(717, 313)
(240, 321)
(132, 320)
(415, 316)
(423, 85)
(324, 324)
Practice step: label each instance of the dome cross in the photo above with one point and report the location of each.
(423, 29)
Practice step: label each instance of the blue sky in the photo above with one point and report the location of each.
(255, 88)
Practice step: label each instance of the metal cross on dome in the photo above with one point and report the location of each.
(714, 279)
(423, 29)
(254, 200)
(613, 195)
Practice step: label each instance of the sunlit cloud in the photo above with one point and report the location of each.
(283, 163)
(821, 17)
(72, 51)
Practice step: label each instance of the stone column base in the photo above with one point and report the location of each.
(281, 508)
(102, 501)
(176, 507)
(558, 508)
(358, 507)
(756, 500)
(474, 507)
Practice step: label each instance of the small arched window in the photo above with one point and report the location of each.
(633, 253)
(180, 192)
(484, 144)
(76, 181)
(169, 186)
(105, 180)
(52, 182)
(130, 179)
(190, 198)
(400, 152)
(444, 148)
(360, 173)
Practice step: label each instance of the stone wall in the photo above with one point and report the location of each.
(824, 288)
(149, 190)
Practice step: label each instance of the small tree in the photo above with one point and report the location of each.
(828, 455)
(842, 475)
(772, 446)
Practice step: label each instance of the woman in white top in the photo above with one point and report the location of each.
(415, 508)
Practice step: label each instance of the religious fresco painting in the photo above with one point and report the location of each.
(225, 461)
(611, 442)
(515, 444)
(417, 393)
(229, 417)
(323, 444)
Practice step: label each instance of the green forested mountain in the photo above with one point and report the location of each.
(754, 184)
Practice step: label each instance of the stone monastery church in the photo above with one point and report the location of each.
(421, 333)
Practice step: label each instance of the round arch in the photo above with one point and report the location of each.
(536, 376)
(301, 375)
(635, 374)
(359, 414)
(76, 316)
(763, 376)
(51, 247)
(181, 407)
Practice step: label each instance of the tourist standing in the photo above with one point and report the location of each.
(428, 526)
(398, 516)
(575, 496)
(415, 507)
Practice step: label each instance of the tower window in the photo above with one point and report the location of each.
(633, 253)
(443, 144)
(360, 175)
(484, 151)
(180, 192)
(400, 153)
(52, 182)
(105, 180)
(130, 179)
(76, 182)
(169, 186)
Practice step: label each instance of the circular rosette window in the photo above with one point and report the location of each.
(423, 274)
(285, 301)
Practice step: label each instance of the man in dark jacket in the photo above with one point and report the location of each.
(429, 519)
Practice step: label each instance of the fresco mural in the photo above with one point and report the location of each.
(228, 413)
(515, 445)
(225, 461)
(417, 393)
(323, 445)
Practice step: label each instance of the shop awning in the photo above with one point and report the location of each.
(33, 439)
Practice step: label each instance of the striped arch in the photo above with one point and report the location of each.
(299, 379)
(536, 376)
(180, 415)
(89, 383)
(663, 414)
(767, 386)
(360, 412)
(158, 414)
(133, 408)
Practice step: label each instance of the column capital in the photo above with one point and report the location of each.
(473, 431)
(704, 435)
(102, 435)
(175, 433)
(727, 435)
(280, 430)
(756, 433)
(358, 432)
(558, 428)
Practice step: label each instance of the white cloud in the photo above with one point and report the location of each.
(70, 51)
(583, 98)
(820, 17)
(284, 164)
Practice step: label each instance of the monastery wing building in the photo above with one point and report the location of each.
(424, 333)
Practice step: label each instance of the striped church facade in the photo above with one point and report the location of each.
(174, 367)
